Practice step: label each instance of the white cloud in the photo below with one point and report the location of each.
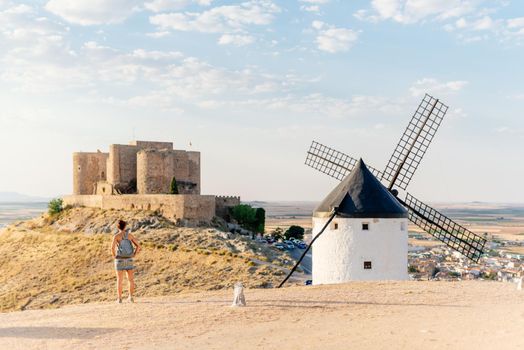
(92, 12)
(170, 5)
(220, 19)
(412, 11)
(470, 20)
(516, 22)
(236, 39)
(158, 34)
(332, 39)
(314, 104)
(312, 5)
(433, 86)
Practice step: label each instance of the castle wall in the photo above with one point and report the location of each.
(88, 169)
(152, 145)
(155, 171)
(159, 163)
(194, 169)
(181, 164)
(222, 205)
(121, 164)
(186, 207)
(104, 188)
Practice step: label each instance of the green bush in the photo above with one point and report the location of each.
(55, 206)
(294, 232)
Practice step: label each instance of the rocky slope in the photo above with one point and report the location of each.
(48, 262)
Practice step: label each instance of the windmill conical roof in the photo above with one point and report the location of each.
(361, 195)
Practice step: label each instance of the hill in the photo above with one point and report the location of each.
(359, 315)
(50, 262)
(15, 197)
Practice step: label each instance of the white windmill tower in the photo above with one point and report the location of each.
(368, 239)
(360, 228)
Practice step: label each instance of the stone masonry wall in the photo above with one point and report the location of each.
(223, 204)
(121, 164)
(194, 169)
(88, 169)
(152, 144)
(155, 171)
(121, 169)
(174, 207)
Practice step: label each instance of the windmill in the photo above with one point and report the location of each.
(397, 175)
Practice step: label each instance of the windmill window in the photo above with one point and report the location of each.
(367, 265)
(402, 226)
(335, 226)
(365, 226)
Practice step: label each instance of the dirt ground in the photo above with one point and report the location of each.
(358, 315)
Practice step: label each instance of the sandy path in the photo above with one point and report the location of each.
(364, 315)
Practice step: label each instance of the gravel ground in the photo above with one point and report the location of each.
(359, 315)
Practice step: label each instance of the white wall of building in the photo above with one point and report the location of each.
(339, 254)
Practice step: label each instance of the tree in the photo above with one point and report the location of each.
(277, 234)
(294, 232)
(245, 215)
(260, 220)
(55, 206)
(174, 186)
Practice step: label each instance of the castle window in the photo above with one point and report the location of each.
(365, 226)
(367, 265)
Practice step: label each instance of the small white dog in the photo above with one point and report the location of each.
(238, 298)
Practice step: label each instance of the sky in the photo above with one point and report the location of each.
(251, 83)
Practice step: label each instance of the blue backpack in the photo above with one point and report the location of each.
(125, 248)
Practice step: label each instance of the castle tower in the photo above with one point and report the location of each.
(88, 169)
(367, 240)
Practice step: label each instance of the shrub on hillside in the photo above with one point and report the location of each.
(55, 206)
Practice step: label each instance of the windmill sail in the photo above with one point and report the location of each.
(414, 142)
(444, 229)
(332, 162)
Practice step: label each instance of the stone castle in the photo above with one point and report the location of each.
(139, 176)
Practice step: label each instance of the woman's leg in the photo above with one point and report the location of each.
(131, 280)
(119, 278)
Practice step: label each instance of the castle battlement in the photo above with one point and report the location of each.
(142, 167)
(138, 176)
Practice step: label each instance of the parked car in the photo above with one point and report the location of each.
(262, 241)
(301, 245)
(308, 282)
(279, 246)
(289, 245)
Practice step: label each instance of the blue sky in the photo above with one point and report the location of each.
(251, 83)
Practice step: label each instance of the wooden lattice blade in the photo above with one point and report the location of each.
(444, 229)
(414, 143)
(332, 162)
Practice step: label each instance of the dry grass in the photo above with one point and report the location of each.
(41, 267)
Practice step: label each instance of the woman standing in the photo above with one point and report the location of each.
(123, 249)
